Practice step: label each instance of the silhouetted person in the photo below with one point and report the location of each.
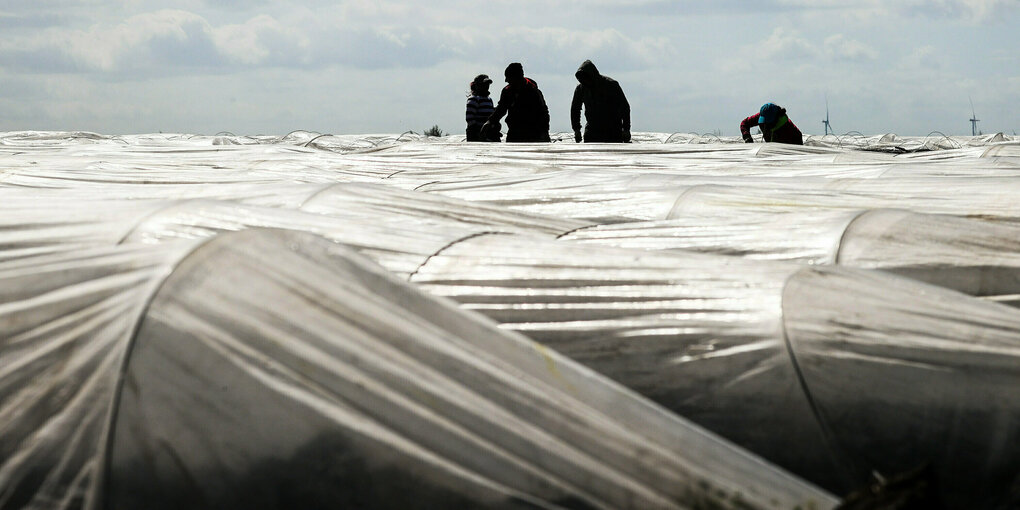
(527, 116)
(774, 124)
(479, 107)
(606, 110)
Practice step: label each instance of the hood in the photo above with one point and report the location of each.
(770, 113)
(587, 70)
(514, 71)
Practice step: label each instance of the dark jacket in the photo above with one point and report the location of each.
(606, 110)
(527, 116)
(783, 131)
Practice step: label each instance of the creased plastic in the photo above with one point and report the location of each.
(706, 336)
(401, 228)
(276, 369)
(762, 352)
(946, 384)
(977, 257)
(65, 320)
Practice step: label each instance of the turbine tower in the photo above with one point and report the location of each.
(826, 121)
(973, 118)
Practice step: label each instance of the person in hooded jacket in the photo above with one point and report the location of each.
(774, 124)
(606, 110)
(527, 116)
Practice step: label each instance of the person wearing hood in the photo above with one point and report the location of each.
(527, 116)
(606, 110)
(774, 124)
(479, 107)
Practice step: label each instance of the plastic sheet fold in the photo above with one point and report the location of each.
(65, 321)
(400, 227)
(944, 386)
(719, 340)
(987, 197)
(277, 369)
(973, 256)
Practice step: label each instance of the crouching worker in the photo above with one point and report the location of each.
(774, 124)
(606, 110)
(479, 107)
(527, 116)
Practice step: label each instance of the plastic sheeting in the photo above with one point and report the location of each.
(276, 370)
(401, 247)
(356, 201)
(749, 300)
(719, 340)
(402, 229)
(381, 203)
(187, 166)
(894, 369)
(66, 320)
(77, 160)
(980, 258)
(734, 328)
(380, 218)
(987, 197)
(618, 197)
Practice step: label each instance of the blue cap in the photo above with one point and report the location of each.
(769, 113)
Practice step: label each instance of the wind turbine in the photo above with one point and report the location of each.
(826, 121)
(973, 118)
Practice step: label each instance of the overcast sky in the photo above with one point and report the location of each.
(382, 66)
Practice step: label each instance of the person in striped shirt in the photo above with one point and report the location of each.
(479, 107)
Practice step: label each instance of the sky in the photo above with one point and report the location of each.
(908, 67)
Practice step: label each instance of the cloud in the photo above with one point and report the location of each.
(261, 40)
(838, 47)
(785, 44)
(658, 8)
(970, 11)
(172, 41)
(378, 9)
(384, 47)
(394, 64)
(973, 11)
(158, 43)
(923, 57)
(551, 47)
(150, 42)
(29, 21)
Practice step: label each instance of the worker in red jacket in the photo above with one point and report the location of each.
(527, 116)
(774, 124)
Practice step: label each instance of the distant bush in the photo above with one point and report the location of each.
(434, 131)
